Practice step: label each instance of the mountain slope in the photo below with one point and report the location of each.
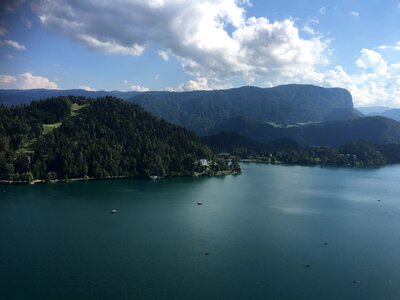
(378, 130)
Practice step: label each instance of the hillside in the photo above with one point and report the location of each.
(202, 110)
(377, 130)
(288, 104)
(70, 137)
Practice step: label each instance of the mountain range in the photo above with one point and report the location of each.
(307, 114)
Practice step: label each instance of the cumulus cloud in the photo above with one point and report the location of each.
(87, 88)
(7, 79)
(26, 81)
(193, 31)
(139, 88)
(371, 59)
(354, 13)
(198, 84)
(29, 81)
(395, 47)
(377, 82)
(309, 30)
(13, 44)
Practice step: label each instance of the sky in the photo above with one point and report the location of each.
(181, 45)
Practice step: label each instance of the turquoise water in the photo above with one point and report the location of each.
(252, 238)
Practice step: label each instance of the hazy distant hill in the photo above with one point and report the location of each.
(372, 110)
(393, 113)
(378, 130)
(203, 110)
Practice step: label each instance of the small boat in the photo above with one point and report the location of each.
(154, 177)
(113, 211)
(199, 203)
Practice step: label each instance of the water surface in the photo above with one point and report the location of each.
(252, 238)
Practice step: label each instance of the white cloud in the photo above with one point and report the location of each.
(354, 14)
(371, 59)
(164, 54)
(395, 47)
(26, 81)
(29, 81)
(199, 84)
(87, 88)
(193, 31)
(7, 79)
(377, 83)
(157, 76)
(110, 46)
(14, 44)
(322, 10)
(139, 88)
(309, 30)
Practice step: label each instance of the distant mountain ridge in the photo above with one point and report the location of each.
(287, 104)
(383, 111)
(202, 110)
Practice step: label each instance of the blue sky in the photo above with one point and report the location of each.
(202, 44)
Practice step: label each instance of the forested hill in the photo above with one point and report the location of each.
(70, 137)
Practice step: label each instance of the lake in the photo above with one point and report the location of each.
(273, 232)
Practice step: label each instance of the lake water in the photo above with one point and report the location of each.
(252, 238)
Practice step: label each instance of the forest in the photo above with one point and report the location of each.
(286, 150)
(76, 137)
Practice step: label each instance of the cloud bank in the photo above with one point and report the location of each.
(194, 31)
(216, 42)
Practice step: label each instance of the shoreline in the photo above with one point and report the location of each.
(43, 181)
(250, 160)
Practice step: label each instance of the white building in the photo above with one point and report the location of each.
(203, 162)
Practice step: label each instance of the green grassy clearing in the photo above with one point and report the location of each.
(47, 128)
